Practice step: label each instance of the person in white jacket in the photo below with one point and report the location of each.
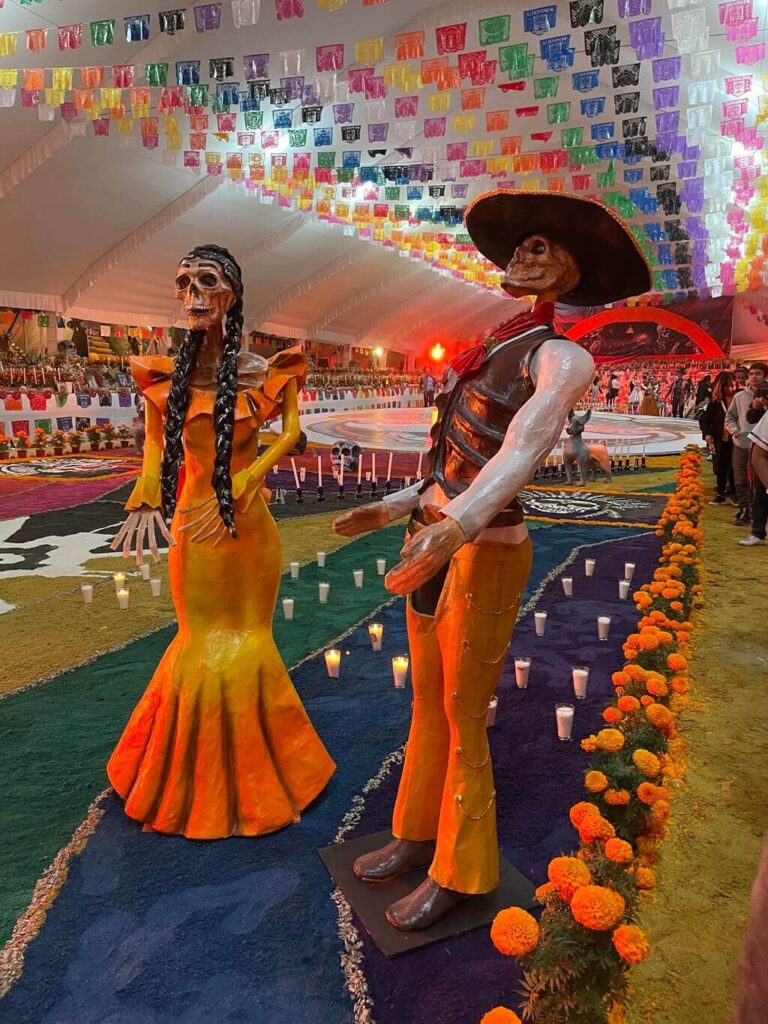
(738, 426)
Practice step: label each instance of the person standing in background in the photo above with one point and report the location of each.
(738, 426)
(718, 439)
(758, 464)
(428, 386)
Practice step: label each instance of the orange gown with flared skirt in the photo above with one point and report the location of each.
(220, 743)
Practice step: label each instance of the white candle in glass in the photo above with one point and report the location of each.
(155, 586)
(400, 670)
(564, 714)
(580, 674)
(490, 718)
(295, 570)
(122, 599)
(323, 589)
(567, 582)
(623, 589)
(376, 633)
(145, 570)
(357, 575)
(381, 566)
(302, 474)
(603, 626)
(333, 662)
(540, 620)
(629, 571)
(522, 670)
(119, 579)
(367, 476)
(589, 566)
(321, 559)
(288, 606)
(87, 591)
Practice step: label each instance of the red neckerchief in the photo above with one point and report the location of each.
(473, 358)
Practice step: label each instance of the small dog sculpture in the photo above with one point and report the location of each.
(588, 457)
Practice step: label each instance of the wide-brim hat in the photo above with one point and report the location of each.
(611, 262)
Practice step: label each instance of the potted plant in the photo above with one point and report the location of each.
(93, 433)
(58, 440)
(124, 435)
(40, 441)
(109, 434)
(21, 444)
(75, 440)
(5, 446)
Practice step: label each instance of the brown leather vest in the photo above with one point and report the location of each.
(474, 415)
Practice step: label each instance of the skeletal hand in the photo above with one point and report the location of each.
(141, 524)
(208, 524)
(361, 520)
(424, 555)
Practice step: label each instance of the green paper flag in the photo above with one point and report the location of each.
(326, 159)
(494, 30)
(103, 32)
(254, 119)
(544, 88)
(297, 138)
(559, 113)
(392, 193)
(156, 74)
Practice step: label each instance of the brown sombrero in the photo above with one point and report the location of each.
(611, 262)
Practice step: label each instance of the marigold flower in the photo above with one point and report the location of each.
(514, 932)
(613, 716)
(648, 642)
(568, 874)
(676, 606)
(677, 662)
(660, 812)
(629, 705)
(631, 944)
(647, 793)
(647, 763)
(657, 686)
(589, 743)
(595, 782)
(610, 740)
(500, 1015)
(592, 828)
(582, 810)
(680, 684)
(620, 678)
(597, 908)
(544, 891)
(633, 641)
(616, 797)
(646, 701)
(659, 716)
(619, 851)
(645, 879)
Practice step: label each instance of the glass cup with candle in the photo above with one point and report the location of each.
(564, 714)
(623, 589)
(629, 571)
(87, 591)
(122, 599)
(295, 570)
(323, 589)
(119, 579)
(155, 585)
(357, 575)
(145, 570)
(490, 717)
(522, 671)
(381, 566)
(333, 662)
(567, 582)
(540, 622)
(580, 675)
(321, 559)
(399, 670)
(288, 606)
(589, 566)
(376, 633)
(603, 626)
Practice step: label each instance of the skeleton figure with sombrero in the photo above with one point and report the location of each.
(468, 556)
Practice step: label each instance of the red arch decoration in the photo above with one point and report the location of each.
(706, 344)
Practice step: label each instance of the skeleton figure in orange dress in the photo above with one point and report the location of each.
(219, 744)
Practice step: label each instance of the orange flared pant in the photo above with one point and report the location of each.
(447, 790)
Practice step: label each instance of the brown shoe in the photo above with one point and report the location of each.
(393, 860)
(425, 906)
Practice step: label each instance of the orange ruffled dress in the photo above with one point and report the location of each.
(220, 743)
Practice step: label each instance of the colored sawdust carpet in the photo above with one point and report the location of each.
(720, 813)
(154, 929)
(60, 483)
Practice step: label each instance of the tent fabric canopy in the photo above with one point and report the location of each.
(657, 109)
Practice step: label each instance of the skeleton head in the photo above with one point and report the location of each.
(204, 291)
(540, 266)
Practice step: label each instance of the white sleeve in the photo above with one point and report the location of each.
(562, 371)
(400, 503)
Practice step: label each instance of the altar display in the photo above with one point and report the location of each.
(220, 743)
(468, 556)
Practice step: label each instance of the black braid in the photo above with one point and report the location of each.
(226, 395)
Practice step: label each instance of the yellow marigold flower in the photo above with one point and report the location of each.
(514, 932)
(568, 874)
(595, 782)
(660, 812)
(613, 716)
(589, 743)
(619, 851)
(657, 686)
(635, 672)
(610, 740)
(597, 908)
(659, 716)
(629, 705)
(500, 1015)
(616, 797)
(645, 879)
(631, 944)
(647, 763)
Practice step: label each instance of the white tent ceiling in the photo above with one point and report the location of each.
(94, 226)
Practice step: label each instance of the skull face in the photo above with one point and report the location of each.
(204, 292)
(540, 266)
